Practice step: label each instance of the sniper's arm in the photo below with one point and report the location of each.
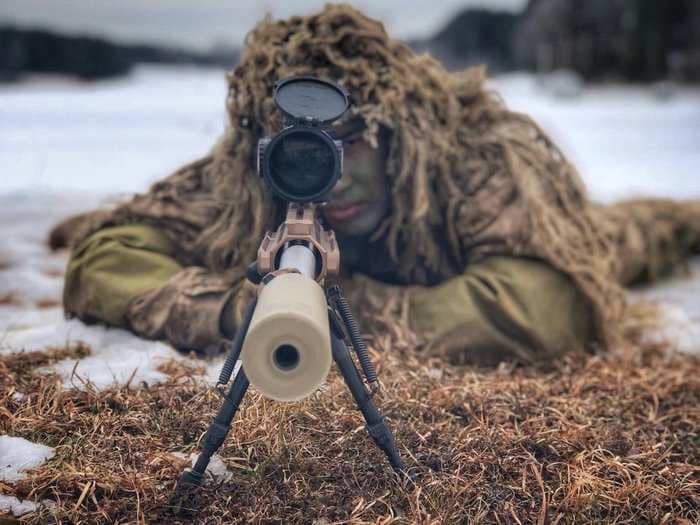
(503, 308)
(128, 277)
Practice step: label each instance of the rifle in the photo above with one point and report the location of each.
(299, 322)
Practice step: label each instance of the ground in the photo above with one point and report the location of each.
(97, 424)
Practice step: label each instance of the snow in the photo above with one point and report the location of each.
(109, 137)
(15, 506)
(680, 298)
(216, 469)
(624, 140)
(17, 455)
(117, 356)
(19, 507)
(120, 358)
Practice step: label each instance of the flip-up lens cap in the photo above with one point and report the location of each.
(310, 98)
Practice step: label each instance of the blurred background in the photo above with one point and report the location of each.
(100, 98)
(105, 96)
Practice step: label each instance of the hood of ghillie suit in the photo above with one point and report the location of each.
(469, 178)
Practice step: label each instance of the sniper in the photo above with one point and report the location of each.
(457, 218)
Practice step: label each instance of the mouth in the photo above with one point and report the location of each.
(338, 212)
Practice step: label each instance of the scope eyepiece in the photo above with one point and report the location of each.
(303, 162)
(300, 164)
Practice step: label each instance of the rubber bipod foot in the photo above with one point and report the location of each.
(185, 491)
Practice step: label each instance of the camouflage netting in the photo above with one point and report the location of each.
(469, 177)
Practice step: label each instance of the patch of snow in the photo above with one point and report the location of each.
(17, 455)
(680, 301)
(122, 358)
(30, 286)
(59, 334)
(18, 318)
(216, 469)
(562, 83)
(213, 369)
(117, 356)
(18, 396)
(113, 136)
(434, 373)
(15, 506)
(677, 329)
(623, 140)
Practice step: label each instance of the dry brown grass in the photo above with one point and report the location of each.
(592, 439)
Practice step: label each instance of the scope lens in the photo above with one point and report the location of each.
(302, 164)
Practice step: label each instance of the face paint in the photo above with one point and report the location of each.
(360, 200)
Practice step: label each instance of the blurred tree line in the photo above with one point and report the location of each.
(87, 57)
(638, 40)
(633, 40)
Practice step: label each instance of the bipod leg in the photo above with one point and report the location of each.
(191, 479)
(376, 425)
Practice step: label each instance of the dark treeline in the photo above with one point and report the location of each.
(86, 57)
(474, 36)
(630, 40)
(634, 40)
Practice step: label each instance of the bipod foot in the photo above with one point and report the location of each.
(191, 480)
(189, 484)
(384, 440)
(376, 425)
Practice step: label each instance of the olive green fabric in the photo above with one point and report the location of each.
(129, 277)
(111, 267)
(500, 308)
(503, 308)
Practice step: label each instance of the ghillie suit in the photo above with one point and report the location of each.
(469, 178)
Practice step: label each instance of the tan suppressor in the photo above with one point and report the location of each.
(287, 351)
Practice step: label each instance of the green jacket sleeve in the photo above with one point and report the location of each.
(112, 266)
(128, 276)
(502, 308)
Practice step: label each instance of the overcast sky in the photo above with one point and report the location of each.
(201, 23)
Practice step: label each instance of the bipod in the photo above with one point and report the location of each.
(343, 327)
